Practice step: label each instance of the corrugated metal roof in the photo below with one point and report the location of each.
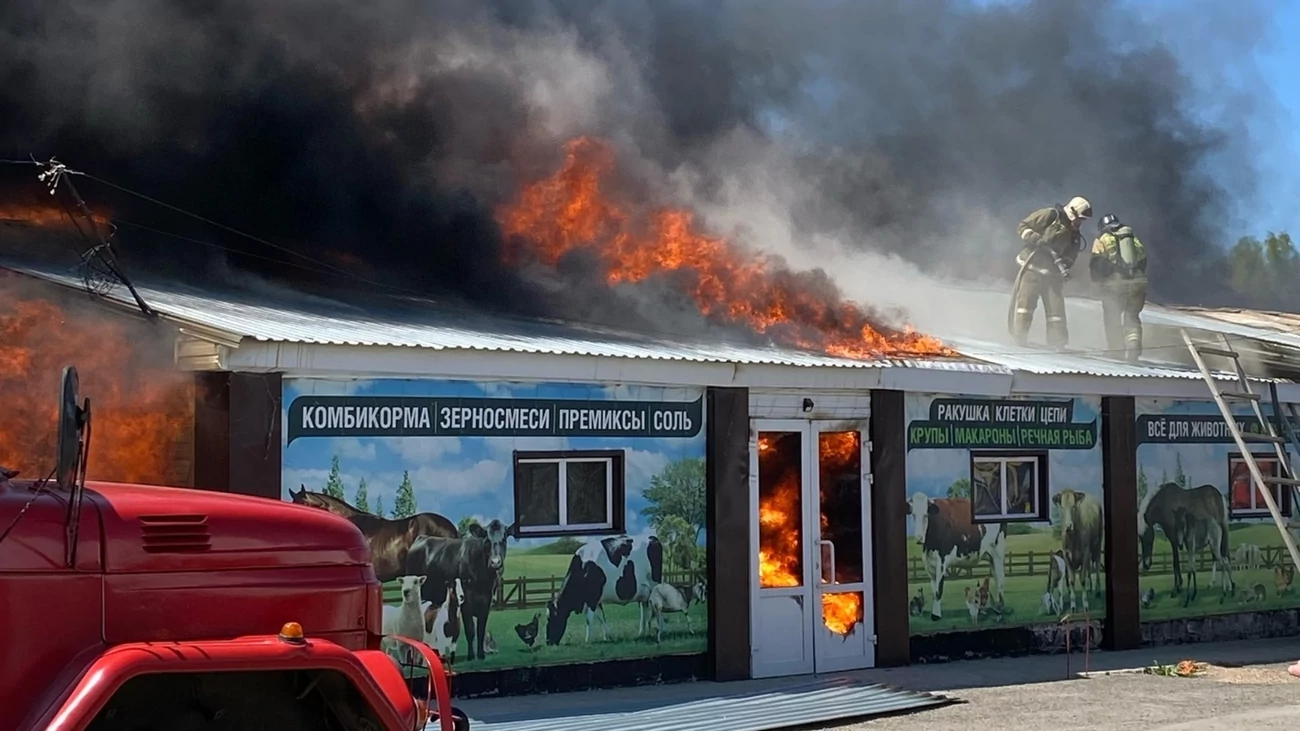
(317, 321)
(312, 320)
(792, 704)
(1045, 362)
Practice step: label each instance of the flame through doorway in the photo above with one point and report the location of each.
(780, 520)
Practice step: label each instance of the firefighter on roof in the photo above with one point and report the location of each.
(1051, 244)
(1119, 267)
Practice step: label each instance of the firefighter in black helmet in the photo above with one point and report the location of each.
(1119, 267)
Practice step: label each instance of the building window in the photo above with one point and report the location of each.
(569, 493)
(1008, 486)
(1244, 500)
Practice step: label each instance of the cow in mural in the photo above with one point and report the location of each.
(1082, 533)
(470, 559)
(617, 570)
(947, 536)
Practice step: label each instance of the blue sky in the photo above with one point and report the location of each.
(932, 471)
(1272, 118)
(470, 476)
(1207, 36)
(1279, 66)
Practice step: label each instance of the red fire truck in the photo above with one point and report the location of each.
(140, 607)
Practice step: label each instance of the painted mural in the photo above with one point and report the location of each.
(1004, 512)
(498, 513)
(1207, 543)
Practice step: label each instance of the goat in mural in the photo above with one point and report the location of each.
(944, 529)
(1204, 503)
(1198, 532)
(1082, 532)
(389, 540)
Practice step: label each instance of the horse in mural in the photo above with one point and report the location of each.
(390, 540)
(1190, 520)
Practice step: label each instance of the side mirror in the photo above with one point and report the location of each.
(72, 423)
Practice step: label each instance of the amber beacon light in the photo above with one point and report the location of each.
(292, 632)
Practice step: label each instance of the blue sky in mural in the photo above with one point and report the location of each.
(470, 476)
(1204, 464)
(932, 471)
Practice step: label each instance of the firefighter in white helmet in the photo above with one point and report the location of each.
(1052, 242)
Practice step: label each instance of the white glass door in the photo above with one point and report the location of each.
(810, 547)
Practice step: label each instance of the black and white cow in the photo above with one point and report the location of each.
(617, 570)
(949, 538)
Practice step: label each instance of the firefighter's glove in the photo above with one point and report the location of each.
(1063, 269)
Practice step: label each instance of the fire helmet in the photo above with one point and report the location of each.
(1078, 207)
(1108, 222)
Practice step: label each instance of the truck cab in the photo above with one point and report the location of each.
(141, 607)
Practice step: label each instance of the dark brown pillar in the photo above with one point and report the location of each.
(1120, 503)
(889, 527)
(212, 431)
(237, 433)
(727, 507)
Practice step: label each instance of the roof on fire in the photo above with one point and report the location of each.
(239, 320)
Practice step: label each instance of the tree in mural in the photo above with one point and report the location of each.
(679, 539)
(462, 525)
(334, 483)
(379, 505)
(960, 489)
(362, 500)
(404, 503)
(1179, 476)
(1142, 485)
(678, 491)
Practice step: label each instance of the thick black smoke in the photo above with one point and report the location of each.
(378, 137)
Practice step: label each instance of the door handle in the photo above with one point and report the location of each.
(824, 545)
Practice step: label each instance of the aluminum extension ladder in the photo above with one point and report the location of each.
(1262, 483)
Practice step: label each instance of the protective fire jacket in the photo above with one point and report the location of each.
(1118, 255)
(1048, 237)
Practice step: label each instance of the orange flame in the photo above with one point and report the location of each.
(780, 532)
(569, 211)
(44, 215)
(839, 452)
(142, 409)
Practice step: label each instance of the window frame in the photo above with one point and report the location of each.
(1041, 491)
(1281, 494)
(615, 491)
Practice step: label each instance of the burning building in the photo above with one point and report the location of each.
(824, 487)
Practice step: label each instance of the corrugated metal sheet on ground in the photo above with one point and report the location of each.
(313, 320)
(792, 704)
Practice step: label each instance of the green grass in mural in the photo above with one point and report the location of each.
(1161, 579)
(539, 575)
(1027, 562)
(1024, 605)
(623, 641)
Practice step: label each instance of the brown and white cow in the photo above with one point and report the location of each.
(1081, 541)
(947, 536)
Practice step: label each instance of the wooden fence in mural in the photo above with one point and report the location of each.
(532, 592)
(1035, 563)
